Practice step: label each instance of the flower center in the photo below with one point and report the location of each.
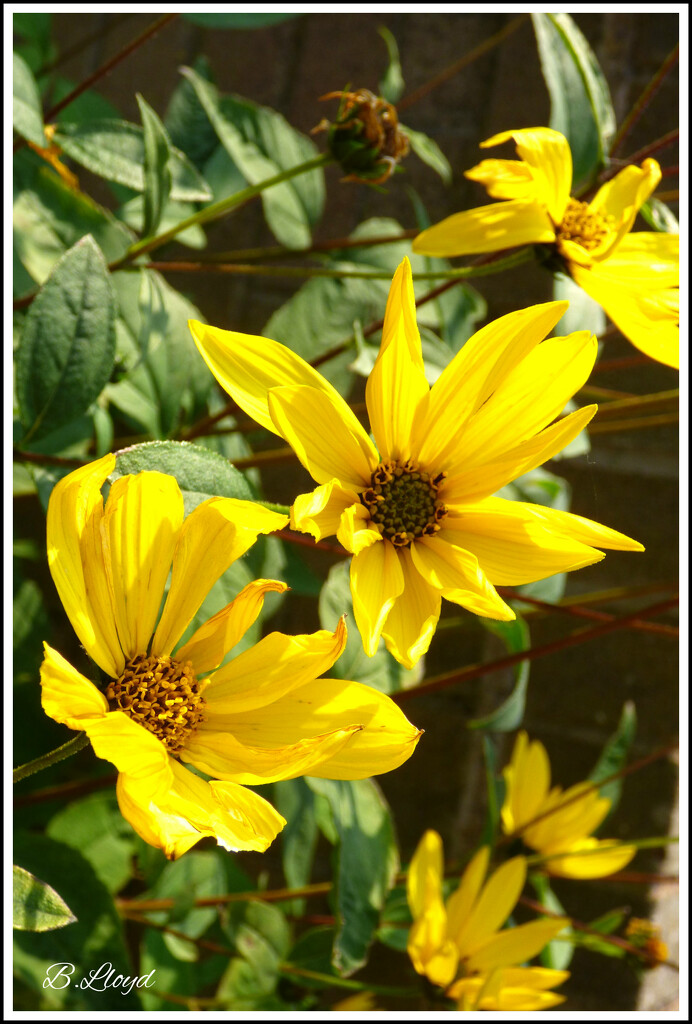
(403, 502)
(162, 695)
(584, 226)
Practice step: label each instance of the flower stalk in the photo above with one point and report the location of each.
(72, 746)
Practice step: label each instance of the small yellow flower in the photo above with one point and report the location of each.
(513, 988)
(462, 938)
(417, 512)
(646, 936)
(261, 717)
(633, 276)
(555, 823)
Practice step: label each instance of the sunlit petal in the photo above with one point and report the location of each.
(622, 197)
(318, 513)
(356, 530)
(505, 179)
(487, 228)
(516, 945)
(457, 574)
(66, 695)
(547, 153)
(376, 582)
(412, 621)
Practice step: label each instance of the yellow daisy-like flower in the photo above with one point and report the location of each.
(261, 717)
(514, 988)
(417, 511)
(634, 277)
(462, 938)
(556, 824)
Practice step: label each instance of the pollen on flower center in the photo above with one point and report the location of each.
(403, 502)
(584, 226)
(161, 694)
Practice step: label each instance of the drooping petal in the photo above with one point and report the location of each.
(397, 385)
(591, 858)
(131, 748)
(376, 582)
(325, 435)
(223, 756)
(356, 530)
(270, 669)
(212, 537)
(386, 738)
(74, 547)
(318, 513)
(649, 319)
(140, 526)
(477, 370)
(209, 645)
(457, 574)
(516, 945)
(492, 907)
(411, 623)
(66, 695)
(487, 228)
(548, 155)
(505, 179)
(247, 366)
(621, 198)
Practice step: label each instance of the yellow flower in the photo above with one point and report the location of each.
(462, 937)
(514, 988)
(261, 717)
(634, 277)
(416, 512)
(564, 822)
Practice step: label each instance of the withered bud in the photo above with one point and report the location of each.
(365, 138)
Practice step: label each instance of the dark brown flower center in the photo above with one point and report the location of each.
(161, 694)
(403, 503)
(584, 226)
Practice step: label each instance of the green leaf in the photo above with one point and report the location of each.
(95, 938)
(262, 144)
(495, 787)
(391, 85)
(296, 801)
(659, 216)
(237, 20)
(515, 636)
(581, 107)
(367, 863)
(380, 671)
(95, 828)
(38, 48)
(313, 952)
(614, 755)
(260, 933)
(132, 214)
(188, 126)
(172, 974)
(115, 150)
(197, 875)
(27, 116)
(200, 473)
(28, 615)
(67, 348)
(36, 907)
(584, 313)
(427, 150)
(558, 954)
(157, 174)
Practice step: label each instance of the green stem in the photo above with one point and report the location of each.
(356, 986)
(217, 209)
(53, 757)
(273, 507)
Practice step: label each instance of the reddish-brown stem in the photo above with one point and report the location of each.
(115, 21)
(588, 613)
(642, 103)
(19, 455)
(66, 790)
(622, 363)
(581, 636)
(654, 147)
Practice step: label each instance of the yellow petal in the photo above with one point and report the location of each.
(209, 645)
(492, 908)
(505, 179)
(509, 989)
(356, 530)
(140, 527)
(66, 695)
(318, 513)
(478, 369)
(572, 817)
(212, 537)
(324, 434)
(487, 228)
(527, 779)
(431, 954)
(644, 260)
(221, 755)
(386, 738)
(247, 366)
(578, 528)
(591, 858)
(411, 623)
(376, 582)
(462, 900)
(457, 574)
(514, 546)
(649, 319)
(163, 829)
(131, 748)
(425, 873)
(540, 978)
(74, 543)
(397, 385)
(621, 198)
(548, 155)
(270, 669)
(515, 945)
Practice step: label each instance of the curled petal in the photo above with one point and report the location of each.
(66, 695)
(318, 513)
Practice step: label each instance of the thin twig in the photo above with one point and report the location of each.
(642, 103)
(588, 613)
